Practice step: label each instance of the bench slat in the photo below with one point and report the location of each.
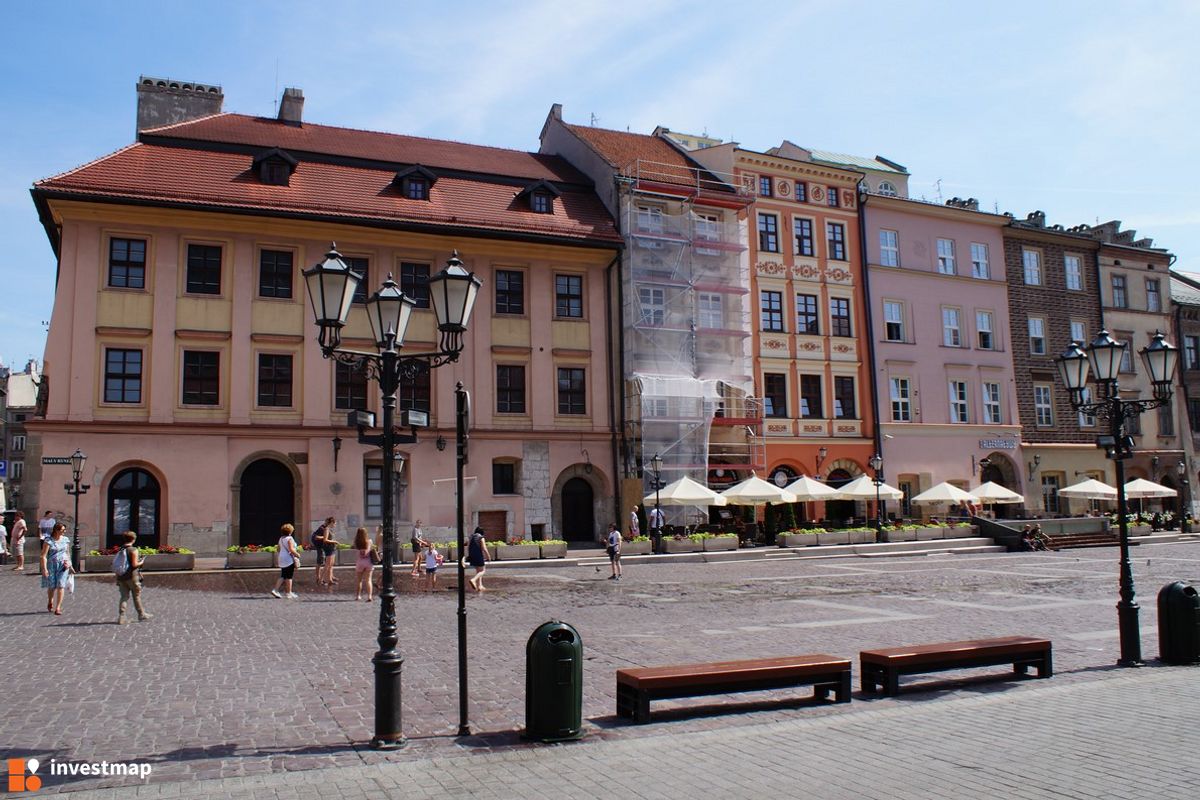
(726, 671)
(933, 653)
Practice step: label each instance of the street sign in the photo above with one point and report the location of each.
(3, 469)
(55, 460)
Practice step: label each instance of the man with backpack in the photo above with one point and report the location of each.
(125, 566)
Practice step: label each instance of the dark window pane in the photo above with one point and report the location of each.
(274, 380)
(414, 394)
(568, 295)
(510, 389)
(350, 388)
(775, 395)
(123, 376)
(363, 267)
(571, 396)
(414, 282)
(201, 378)
(204, 269)
(510, 292)
(127, 263)
(275, 274)
(504, 477)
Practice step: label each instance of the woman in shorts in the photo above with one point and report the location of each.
(289, 559)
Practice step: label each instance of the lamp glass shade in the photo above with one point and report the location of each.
(452, 293)
(1106, 353)
(331, 285)
(1161, 357)
(1073, 367)
(388, 311)
(78, 459)
(876, 462)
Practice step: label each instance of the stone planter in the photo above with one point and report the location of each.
(95, 563)
(861, 537)
(1139, 530)
(894, 535)
(627, 549)
(517, 552)
(719, 543)
(672, 545)
(796, 539)
(249, 560)
(834, 537)
(347, 558)
(959, 533)
(160, 562)
(560, 550)
(308, 558)
(925, 534)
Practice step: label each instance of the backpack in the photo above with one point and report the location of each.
(121, 566)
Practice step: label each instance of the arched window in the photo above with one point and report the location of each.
(887, 189)
(133, 503)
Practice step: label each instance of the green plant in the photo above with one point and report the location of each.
(810, 530)
(698, 537)
(641, 538)
(562, 541)
(722, 535)
(252, 548)
(786, 517)
(962, 525)
(515, 543)
(165, 550)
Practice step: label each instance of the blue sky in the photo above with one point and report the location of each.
(1087, 111)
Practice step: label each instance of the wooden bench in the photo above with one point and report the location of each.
(883, 668)
(638, 686)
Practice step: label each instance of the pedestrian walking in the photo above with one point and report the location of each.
(364, 565)
(635, 529)
(130, 581)
(3, 542)
(46, 525)
(613, 548)
(325, 544)
(656, 519)
(18, 540)
(477, 557)
(289, 560)
(417, 540)
(56, 567)
(433, 560)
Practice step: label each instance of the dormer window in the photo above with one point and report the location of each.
(414, 182)
(541, 203)
(540, 197)
(275, 166)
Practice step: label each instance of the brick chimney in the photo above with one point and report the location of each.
(164, 101)
(291, 107)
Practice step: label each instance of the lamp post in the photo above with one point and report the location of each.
(75, 488)
(1103, 356)
(656, 528)
(331, 285)
(1186, 507)
(876, 463)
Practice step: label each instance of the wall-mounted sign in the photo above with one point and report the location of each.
(997, 444)
(56, 460)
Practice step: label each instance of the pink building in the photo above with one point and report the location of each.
(947, 402)
(182, 357)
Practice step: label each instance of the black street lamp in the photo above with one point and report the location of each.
(1104, 356)
(1186, 506)
(656, 528)
(78, 459)
(331, 285)
(877, 467)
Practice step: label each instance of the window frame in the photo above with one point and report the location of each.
(1075, 275)
(770, 311)
(362, 292)
(889, 252)
(1156, 294)
(808, 314)
(1191, 351)
(202, 283)
(981, 266)
(835, 241)
(832, 198)
(710, 307)
(574, 394)
(952, 326)
(901, 399)
(775, 395)
(509, 301)
(568, 295)
(960, 402)
(510, 398)
(841, 322)
(275, 381)
(200, 382)
(128, 264)
(1031, 266)
(947, 261)
(1120, 295)
(1040, 337)
(1046, 419)
(993, 406)
(900, 323)
(347, 381)
(840, 397)
(413, 283)
(768, 232)
(129, 381)
(765, 187)
(804, 242)
(504, 476)
(980, 330)
(811, 394)
(282, 280)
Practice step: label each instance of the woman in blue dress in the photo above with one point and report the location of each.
(56, 567)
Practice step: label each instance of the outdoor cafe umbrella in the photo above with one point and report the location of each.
(754, 491)
(809, 489)
(1091, 489)
(1140, 487)
(863, 488)
(944, 492)
(989, 493)
(684, 492)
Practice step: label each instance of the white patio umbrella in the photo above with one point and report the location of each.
(944, 492)
(808, 489)
(863, 488)
(684, 492)
(1142, 488)
(754, 491)
(989, 493)
(1091, 489)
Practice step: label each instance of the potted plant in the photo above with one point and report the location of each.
(719, 541)
(903, 533)
(347, 556)
(834, 537)
(640, 546)
(864, 534)
(167, 558)
(250, 556)
(959, 530)
(553, 548)
(1139, 524)
(801, 537)
(100, 560)
(520, 550)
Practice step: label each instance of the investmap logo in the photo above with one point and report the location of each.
(23, 777)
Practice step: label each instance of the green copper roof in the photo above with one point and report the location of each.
(859, 162)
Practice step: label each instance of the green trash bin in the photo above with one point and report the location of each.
(1178, 624)
(554, 683)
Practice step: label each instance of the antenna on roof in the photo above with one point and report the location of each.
(938, 185)
(595, 119)
(275, 96)
(996, 206)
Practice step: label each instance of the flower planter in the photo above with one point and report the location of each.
(517, 552)
(97, 563)
(347, 558)
(925, 534)
(1139, 530)
(627, 549)
(902, 535)
(160, 562)
(308, 558)
(959, 533)
(720, 543)
(834, 537)
(861, 537)
(796, 539)
(249, 560)
(672, 545)
(560, 550)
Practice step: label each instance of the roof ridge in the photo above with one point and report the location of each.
(85, 165)
(188, 122)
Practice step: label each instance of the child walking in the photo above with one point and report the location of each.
(433, 560)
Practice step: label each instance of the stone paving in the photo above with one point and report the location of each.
(227, 682)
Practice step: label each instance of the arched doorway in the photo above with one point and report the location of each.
(133, 504)
(267, 494)
(578, 511)
(838, 511)
(999, 469)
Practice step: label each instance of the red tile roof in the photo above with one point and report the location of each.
(649, 157)
(188, 164)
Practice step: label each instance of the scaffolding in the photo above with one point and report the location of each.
(687, 307)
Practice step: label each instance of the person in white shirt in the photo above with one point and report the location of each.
(433, 559)
(289, 559)
(656, 518)
(46, 525)
(613, 547)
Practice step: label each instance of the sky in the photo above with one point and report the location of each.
(1085, 110)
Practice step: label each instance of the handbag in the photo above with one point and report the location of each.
(374, 556)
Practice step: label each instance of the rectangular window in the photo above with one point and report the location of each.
(1191, 352)
(1086, 420)
(945, 256)
(707, 227)
(831, 197)
(510, 291)
(1073, 267)
(17, 468)
(649, 219)
(768, 233)
(1050, 493)
(373, 491)
(274, 380)
(275, 274)
(510, 389)
(771, 311)
(844, 405)
(835, 235)
(979, 261)
(889, 248)
(414, 282)
(568, 296)
(654, 306)
(1037, 336)
(202, 378)
(1127, 357)
(1194, 414)
(127, 263)
(1153, 296)
(204, 269)
(1166, 421)
(1077, 332)
(415, 394)
(901, 400)
(362, 266)
(349, 388)
(992, 414)
(893, 321)
(807, 320)
(839, 316)
(1043, 405)
(983, 330)
(1133, 425)
(803, 229)
(122, 376)
(801, 191)
(18, 443)
(958, 402)
(811, 406)
(764, 187)
(571, 395)
(711, 307)
(774, 395)
(951, 328)
(504, 477)
(1031, 260)
(1119, 297)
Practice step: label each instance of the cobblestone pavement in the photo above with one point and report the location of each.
(227, 682)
